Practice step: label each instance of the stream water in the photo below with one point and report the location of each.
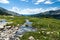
(23, 29)
(13, 33)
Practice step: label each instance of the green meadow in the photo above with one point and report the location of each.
(47, 28)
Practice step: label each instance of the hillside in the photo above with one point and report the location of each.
(6, 12)
(51, 13)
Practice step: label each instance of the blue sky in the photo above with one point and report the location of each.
(30, 6)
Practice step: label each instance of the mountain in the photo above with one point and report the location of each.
(6, 12)
(51, 13)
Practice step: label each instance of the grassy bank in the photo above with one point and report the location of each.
(47, 28)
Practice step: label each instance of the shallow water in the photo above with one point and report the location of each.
(24, 28)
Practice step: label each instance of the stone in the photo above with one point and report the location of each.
(31, 38)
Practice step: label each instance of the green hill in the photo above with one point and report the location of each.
(6, 12)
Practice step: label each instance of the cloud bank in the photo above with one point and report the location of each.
(4, 1)
(29, 11)
(41, 1)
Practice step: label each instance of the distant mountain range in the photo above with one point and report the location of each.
(51, 13)
(6, 12)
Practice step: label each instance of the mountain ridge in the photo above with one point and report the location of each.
(7, 12)
(51, 13)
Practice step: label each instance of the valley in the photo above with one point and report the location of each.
(47, 28)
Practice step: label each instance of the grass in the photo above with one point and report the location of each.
(43, 25)
(50, 25)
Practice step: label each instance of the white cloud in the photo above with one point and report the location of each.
(52, 8)
(15, 9)
(26, 11)
(48, 2)
(24, 0)
(39, 1)
(31, 11)
(44, 1)
(4, 1)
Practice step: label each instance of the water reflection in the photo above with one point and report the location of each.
(26, 27)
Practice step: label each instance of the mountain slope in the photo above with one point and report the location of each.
(6, 12)
(51, 13)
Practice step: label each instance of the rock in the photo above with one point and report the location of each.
(48, 33)
(31, 38)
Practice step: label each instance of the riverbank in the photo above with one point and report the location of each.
(47, 28)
